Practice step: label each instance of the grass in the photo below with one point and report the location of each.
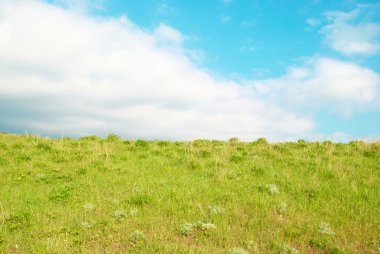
(95, 195)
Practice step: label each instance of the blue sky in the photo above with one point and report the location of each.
(191, 69)
(245, 37)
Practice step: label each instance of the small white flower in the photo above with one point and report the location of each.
(206, 226)
(282, 208)
(324, 228)
(285, 248)
(272, 189)
(133, 212)
(49, 242)
(87, 224)
(136, 237)
(186, 228)
(118, 214)
(238, 250)
(88, 206)
(251, 245)
(215, 210)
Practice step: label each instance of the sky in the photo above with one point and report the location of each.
(184, 70)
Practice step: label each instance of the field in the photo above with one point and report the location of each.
(94, 195)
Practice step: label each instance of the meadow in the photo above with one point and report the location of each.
(108, 195)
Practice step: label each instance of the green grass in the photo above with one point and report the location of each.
(95, 195)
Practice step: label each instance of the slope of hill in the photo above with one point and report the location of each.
(95, 195)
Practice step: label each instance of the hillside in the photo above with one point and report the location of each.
(95, 195)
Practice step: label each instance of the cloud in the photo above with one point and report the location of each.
(260, 72)
(247, 23)
(349, 35)
(227, 2)
(80, 5)
(168, 35)
(225, 19)
(165, 9)
(71, 73)
(334, 137)
(247, 49)
(248, 45)
(321, 82)
(313, 22)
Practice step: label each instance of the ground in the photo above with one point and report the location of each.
(94, 195)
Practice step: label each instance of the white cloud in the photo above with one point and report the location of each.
(67, 72)
(336, 136)
(248, 45)
(227, 2)
(313, 22)
(80, 5)
(225, 19)
(168, 35)
(347, 34)
(247, 23)
(247, 49)
(341, 86)
(260, 72)
(165, 9)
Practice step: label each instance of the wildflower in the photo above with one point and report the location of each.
(88, 206)
(272, 189)
(251, 245)
(136, 237)
(281, 209)
(238, 250)
(186, 228)
(287, 249)
(133, 212)
(205, 226)
(118, 214)
(215, 210)
(324, 228)
(50, 241)
(87, 224)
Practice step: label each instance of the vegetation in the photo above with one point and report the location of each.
(95, 195)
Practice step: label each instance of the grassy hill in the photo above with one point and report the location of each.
(95, 195)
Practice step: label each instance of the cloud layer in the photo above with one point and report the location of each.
(320, 82)
(346, 33)
(67, 72)
(63, 71)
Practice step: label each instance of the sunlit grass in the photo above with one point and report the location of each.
(95, 195)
